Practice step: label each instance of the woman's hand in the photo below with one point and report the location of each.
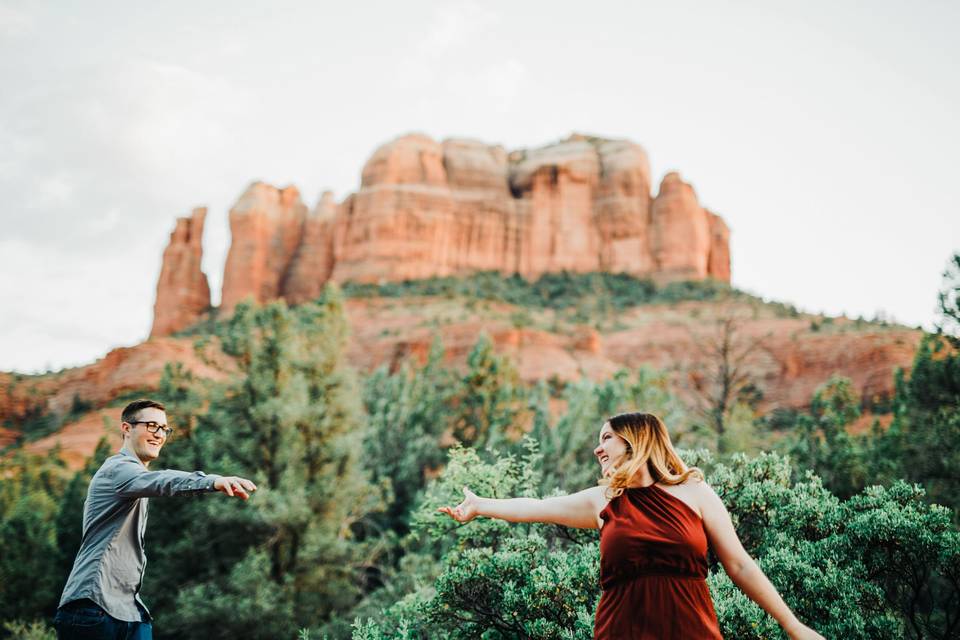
(466, 510)
(800, 631)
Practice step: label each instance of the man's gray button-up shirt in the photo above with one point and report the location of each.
(109, 566)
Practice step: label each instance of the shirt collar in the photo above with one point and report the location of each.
(126, 452)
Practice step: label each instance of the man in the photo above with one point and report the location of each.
(102, 595)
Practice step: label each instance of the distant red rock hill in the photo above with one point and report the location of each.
(427, 208)
(798, 354)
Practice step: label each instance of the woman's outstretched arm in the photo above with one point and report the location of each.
(742, 569)
(579, 510)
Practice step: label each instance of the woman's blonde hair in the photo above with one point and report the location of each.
(648, 443)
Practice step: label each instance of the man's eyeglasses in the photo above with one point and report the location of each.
(153, 427)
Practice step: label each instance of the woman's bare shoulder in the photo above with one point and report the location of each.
(704, 495)
(697, 489)
(693, 483)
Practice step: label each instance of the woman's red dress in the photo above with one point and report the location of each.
(653, 569)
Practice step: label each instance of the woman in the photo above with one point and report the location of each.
(655, 517)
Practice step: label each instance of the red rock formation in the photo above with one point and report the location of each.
(622, 205)
(267, 227)
(794, 362)
(718, 261)
(183, 294)
(399, 225)
(313, 261)
(555, 185)
(413, 159)
(680, 238)
(77, 440)
(485, 227)
(426, 209)
(429, 209)
(121, 372)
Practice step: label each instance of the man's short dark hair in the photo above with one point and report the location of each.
(132, 410)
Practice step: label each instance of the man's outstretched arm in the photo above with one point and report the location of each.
(132, 480)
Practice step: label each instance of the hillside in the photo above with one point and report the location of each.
(558, 329)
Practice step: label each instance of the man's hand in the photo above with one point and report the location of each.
(234, 486)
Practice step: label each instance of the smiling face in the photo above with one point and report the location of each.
(610, 450)
(139, 441)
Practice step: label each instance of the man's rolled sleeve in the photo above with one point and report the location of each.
(132, 480)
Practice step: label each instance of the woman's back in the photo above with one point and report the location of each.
(653, 569)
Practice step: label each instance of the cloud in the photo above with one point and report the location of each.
(452, 67)
(46, 322)
(454, 26)
(54, 190)
(111, 142)
(15, 22)
(503, 81)
(453, 33)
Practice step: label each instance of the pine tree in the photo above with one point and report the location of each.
(408, 414)
(291, 420)
(30, 488)
(490, 399)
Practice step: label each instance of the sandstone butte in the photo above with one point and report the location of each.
(427, 208)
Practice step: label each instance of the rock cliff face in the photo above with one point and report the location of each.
(267, 229)
(718, 261)
(122, 372)
(312, 263)
(681, 232)
(426, 208)
(183, 293)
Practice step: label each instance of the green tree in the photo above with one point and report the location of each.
(821, 441)
(722, 380)
(30, 490)
(948, 324)
(501, 580)
(292, 421)
(489, 399)
(923, 441)
(407, 414)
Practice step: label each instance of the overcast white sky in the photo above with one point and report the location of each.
(825, 133)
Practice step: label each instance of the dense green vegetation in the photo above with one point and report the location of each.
(343, 539)
(564, 290)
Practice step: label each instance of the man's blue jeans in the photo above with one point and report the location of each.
(85, 620)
